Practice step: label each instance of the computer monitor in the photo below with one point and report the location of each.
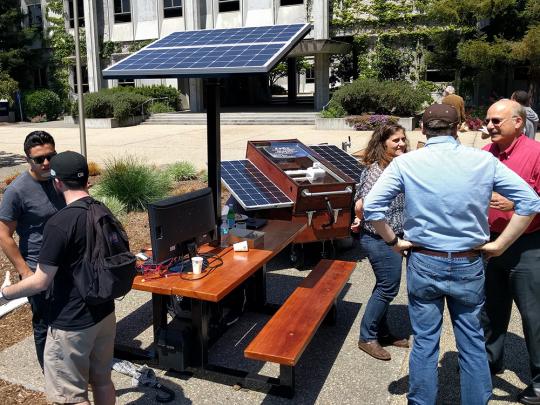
(178, 223)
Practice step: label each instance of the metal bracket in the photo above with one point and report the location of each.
(336, 214)
(310, 217)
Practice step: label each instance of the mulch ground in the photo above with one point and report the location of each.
(17, 325)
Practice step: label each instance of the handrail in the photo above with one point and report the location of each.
(306, 193)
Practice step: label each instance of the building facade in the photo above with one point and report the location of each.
(126, 23)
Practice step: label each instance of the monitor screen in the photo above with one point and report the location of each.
(177, 221)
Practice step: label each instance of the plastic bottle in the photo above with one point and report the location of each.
(230, 217)
(224, 232)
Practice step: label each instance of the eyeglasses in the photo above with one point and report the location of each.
(38, 160)
(496, 121)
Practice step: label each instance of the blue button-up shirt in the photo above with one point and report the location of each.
(447, 190)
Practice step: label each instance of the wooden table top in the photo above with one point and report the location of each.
(236, 268)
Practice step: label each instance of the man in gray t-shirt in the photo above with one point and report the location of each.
(28, 202)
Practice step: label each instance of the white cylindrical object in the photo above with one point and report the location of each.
(196, 264)
(11, 305)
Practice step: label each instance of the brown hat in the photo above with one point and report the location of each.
(442, 112)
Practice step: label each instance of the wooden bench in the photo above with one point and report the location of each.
(286, 335)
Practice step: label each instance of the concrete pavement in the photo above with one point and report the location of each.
(332, 370)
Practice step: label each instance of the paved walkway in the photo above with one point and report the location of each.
(332, 370)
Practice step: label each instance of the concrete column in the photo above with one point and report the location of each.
(320, 15)
(322, 66)
(92, 46)
(291, 80)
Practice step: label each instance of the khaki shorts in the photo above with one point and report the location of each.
(75, 358)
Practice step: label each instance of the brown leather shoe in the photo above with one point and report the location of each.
(390, 340)
(374, 349)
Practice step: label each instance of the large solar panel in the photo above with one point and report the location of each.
(250, 187)
(340, 159)
(207, 53)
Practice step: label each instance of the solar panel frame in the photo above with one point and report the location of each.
(247, 183)
(199, 56)
(342, 160)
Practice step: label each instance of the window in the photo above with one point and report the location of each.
(228, 5)
(80, 12)
(126, 83)
(290, 2)
(35, 17)
(310, 75)
(84, 74)
(122, 11)
(172, 8)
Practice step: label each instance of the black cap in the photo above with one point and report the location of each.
(441, 112)
(71, 166)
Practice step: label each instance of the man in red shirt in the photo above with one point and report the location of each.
(515, 275)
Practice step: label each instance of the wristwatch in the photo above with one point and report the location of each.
(393, 242)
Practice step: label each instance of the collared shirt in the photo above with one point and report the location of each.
(447, 190)
(522, 157)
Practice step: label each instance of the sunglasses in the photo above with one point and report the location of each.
(496, 121)
(38, 160)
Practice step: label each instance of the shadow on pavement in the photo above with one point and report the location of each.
(11, 159)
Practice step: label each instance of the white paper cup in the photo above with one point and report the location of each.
(196, 264)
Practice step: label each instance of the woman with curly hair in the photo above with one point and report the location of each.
(387, 142)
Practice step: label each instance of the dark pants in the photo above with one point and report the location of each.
(514, 276)
(39, 308)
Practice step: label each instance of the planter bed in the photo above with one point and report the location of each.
(106, 122)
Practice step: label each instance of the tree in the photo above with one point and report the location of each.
(8, 87)
(280, 70)
(62, 45)
(16, 56)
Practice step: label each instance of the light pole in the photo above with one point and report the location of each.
(82, 129)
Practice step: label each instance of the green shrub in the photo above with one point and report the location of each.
(181, 171)
(333, 111)
(117, 207)
(277, 89)
(111, 104)
(159, 107)
(134, 183)
(386, 97)
(167, 94)
(203, 176)
(42, 102)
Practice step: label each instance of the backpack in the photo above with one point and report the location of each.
(108, 267)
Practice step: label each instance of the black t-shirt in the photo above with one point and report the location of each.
(64, 243)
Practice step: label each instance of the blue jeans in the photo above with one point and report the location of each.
(386, 265)
(431, 280)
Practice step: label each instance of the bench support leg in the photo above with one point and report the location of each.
(331, 317)
(286, 382)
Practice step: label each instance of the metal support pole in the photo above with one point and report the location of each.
(291, 80)
(213, 136)
(82, 129)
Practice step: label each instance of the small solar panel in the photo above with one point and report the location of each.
(250, 187)
(207, 53)
(340, 159)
